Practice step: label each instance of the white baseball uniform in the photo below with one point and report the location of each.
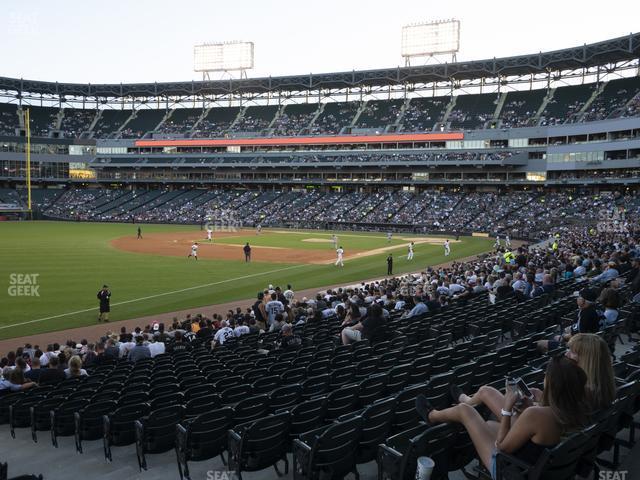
(447, 248)
(410, 254)
(194, 251)
(339, 253)
(209, 233)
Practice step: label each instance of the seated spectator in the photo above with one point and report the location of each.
(206, 331)
(588, 321)
(156, 347)
(223, 334)
(372, 328)
(75, 368)
(419, 309)
(278, 322)
(140, 351)
(90, 357)
(34, 374)
(241, 329)
(609, 274)
(179, 344)
(610, 300)
(112, 352)
(13, 381)
(592, 354)
(563, 409)
(287, 340)
(53, 374)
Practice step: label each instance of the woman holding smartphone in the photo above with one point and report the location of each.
(563, 409)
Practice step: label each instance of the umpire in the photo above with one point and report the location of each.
(390, 265)
(104, 296)
(247, 252)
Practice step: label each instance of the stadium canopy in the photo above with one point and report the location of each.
(587, 56)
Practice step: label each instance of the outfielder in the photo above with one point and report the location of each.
(447, 248)
(410, 254)
(334, 239)
(497, 244)
(194, 251)
(209, 233)
(507, 241)
(389, 235)
(339, 253)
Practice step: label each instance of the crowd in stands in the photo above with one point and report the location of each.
(523, 214)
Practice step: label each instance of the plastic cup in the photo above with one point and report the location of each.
(425, 468)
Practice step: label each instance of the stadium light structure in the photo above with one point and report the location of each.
(429, 39)
(223, 57)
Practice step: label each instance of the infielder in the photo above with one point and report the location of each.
(258, 229)
(209, 233)
(410, 254)
(497, 244)
(334, 239)
(194, 251)
(339, 253)
(507, 241)
(447, 248)
(389, 235)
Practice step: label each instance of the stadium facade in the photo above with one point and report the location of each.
(566, 119)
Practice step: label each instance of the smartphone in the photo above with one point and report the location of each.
(523, 389)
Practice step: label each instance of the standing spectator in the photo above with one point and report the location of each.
(104, 296)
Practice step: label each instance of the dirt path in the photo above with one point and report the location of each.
(178, 244)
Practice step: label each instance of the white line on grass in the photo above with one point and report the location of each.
(154, 296)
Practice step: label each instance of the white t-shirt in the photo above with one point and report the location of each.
(223, 335)
(156, 348)
(241, 330)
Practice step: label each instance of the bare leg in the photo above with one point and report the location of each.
(483, 434)
(488, 396)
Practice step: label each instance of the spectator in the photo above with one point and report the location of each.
(34, 374)
(223, 334)
(371, 328)
(140, 350)
(156, 347)
(75, 368)
(13, 381)
(53, 374)
(563, 409)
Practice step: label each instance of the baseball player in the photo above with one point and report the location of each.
(340, 254)
(497, 244)
(410, 254)
(209, 233)
(389, 235)
(334, 239)
(447, 248)
(258, 229)
(507, 241)
(194, 251)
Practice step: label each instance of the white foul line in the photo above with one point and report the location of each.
(154, 296)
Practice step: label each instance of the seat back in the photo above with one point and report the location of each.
(333, 452)
(250, 409)
(342, 401)
(285, 397)
(205, 436)
(262, 443)
(377, 420)
(308, 415)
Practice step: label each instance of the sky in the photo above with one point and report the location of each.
(152, 40)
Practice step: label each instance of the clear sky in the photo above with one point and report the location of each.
(152, 40)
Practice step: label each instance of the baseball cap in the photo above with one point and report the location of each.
(156, 327)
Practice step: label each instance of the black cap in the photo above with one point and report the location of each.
(105, 286)
(588, 294)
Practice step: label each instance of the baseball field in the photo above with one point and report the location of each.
(50, 272)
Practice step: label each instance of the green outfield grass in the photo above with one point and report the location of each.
(73, 260)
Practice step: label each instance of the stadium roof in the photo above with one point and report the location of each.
(592, 55)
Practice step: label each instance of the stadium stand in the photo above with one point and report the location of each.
(379, 114)
(294, 118)
(334, 117)
(422, 114)
(109, 122)
(472, 111)
(143, 122)
(181, 121)
(566, 103)
(43, 120)
(76, 121)
(612, 100)
(255, 119)
(520, 107)
(8, 119)
(216, 122)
